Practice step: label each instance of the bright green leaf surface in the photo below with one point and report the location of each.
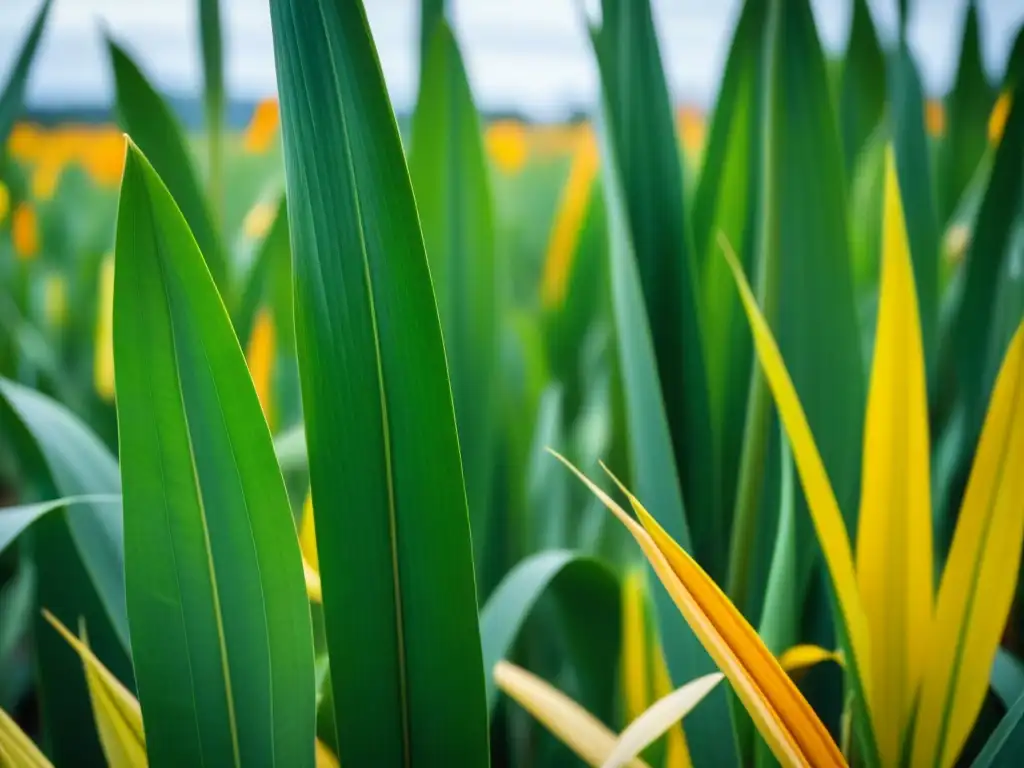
(219, 621)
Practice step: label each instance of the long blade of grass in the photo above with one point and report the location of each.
(977, 585)
(645, 150)
(862, 85)
(1007, 740)
(894, 535)
(147, 118)
(13, 95)
(16, 748)
(15, 520)
(587, 736)
(453, 195)
(392, 524)
(824, 509)
(779, 710)
(117, 712)
(80, 465)
(219, 621)
(211, 45)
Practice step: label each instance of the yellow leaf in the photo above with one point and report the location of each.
(677, 751)
(16, 748)
(506, 145)
(5, 201)
(25, 232)
(307, 535)
(115, 709)
(894, 535)
(103, 344)
(260, 356)
(977, 586)
(262, 127)
(324, 757)
(587, 736)
(997, 119)
(935, 118)
(786, 721)
(569, 220)
(635, 682)
(821, 499)
(314, 591)
(804, 656)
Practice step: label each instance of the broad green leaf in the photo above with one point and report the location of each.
(587, 736)
(16, 748)
(449, 175)
(80, 465)
(824, 511)
(782, 715)
(652, 468)
(641, 132)
(147, 118)
(211, 45)
(117, 713)
(727, 202)
(219, 621)
(862, 87)
(1006, 742)
(894, 533)
(913, 167)
(15, 520)
(806, 256)
(13, 94)
(431, 13)
(967, 113)
(977, 585)
(587, 595)
(392, 525)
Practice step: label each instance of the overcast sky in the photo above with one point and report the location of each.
(529, 55)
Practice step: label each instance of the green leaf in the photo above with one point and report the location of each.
(13, 94)
(392, 524)
(652, 468)
(1004, 746)
(727, 201)
(80, 465)
(15, 520)
(967, 112)
(642, 133)
(862, 87)
(913, 169)
(148, 119)
(213, 96)
(588, 598)
(431, 13)
(216, 598)
(453, 195)
(1007, 677)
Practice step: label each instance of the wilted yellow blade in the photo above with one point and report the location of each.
(16, 748)
(821, 499)
(786, 721)
(894, 535)
(324, 757)
(587, 736)
(260, 357)
(635, 678)
(115, 709)
(672, 706)
(314, 591)
(307, 535)
(977, 586)
(572, 212)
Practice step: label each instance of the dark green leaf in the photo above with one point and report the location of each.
(148, 119)
(862, 88)
(449, 175)
(1005, 744)
(216, 599)
(1007, 677)
(642, 133)
(13, 94)
(392, 524)
(213, 95)
(15, 520)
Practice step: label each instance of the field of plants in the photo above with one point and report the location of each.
(656, 439)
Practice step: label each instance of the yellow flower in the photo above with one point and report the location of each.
(103, 360)
(25, 142)
(45, 179)
(5, 202)
(262, 127)
(506, 144)
(260, 355)
(935, 118)
(25, 232)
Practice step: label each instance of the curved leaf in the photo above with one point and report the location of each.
(13, 95)
(219, 621)
(15, 520)
(862, 87)
(392, 526)
(1005, 744)
(16, 748)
